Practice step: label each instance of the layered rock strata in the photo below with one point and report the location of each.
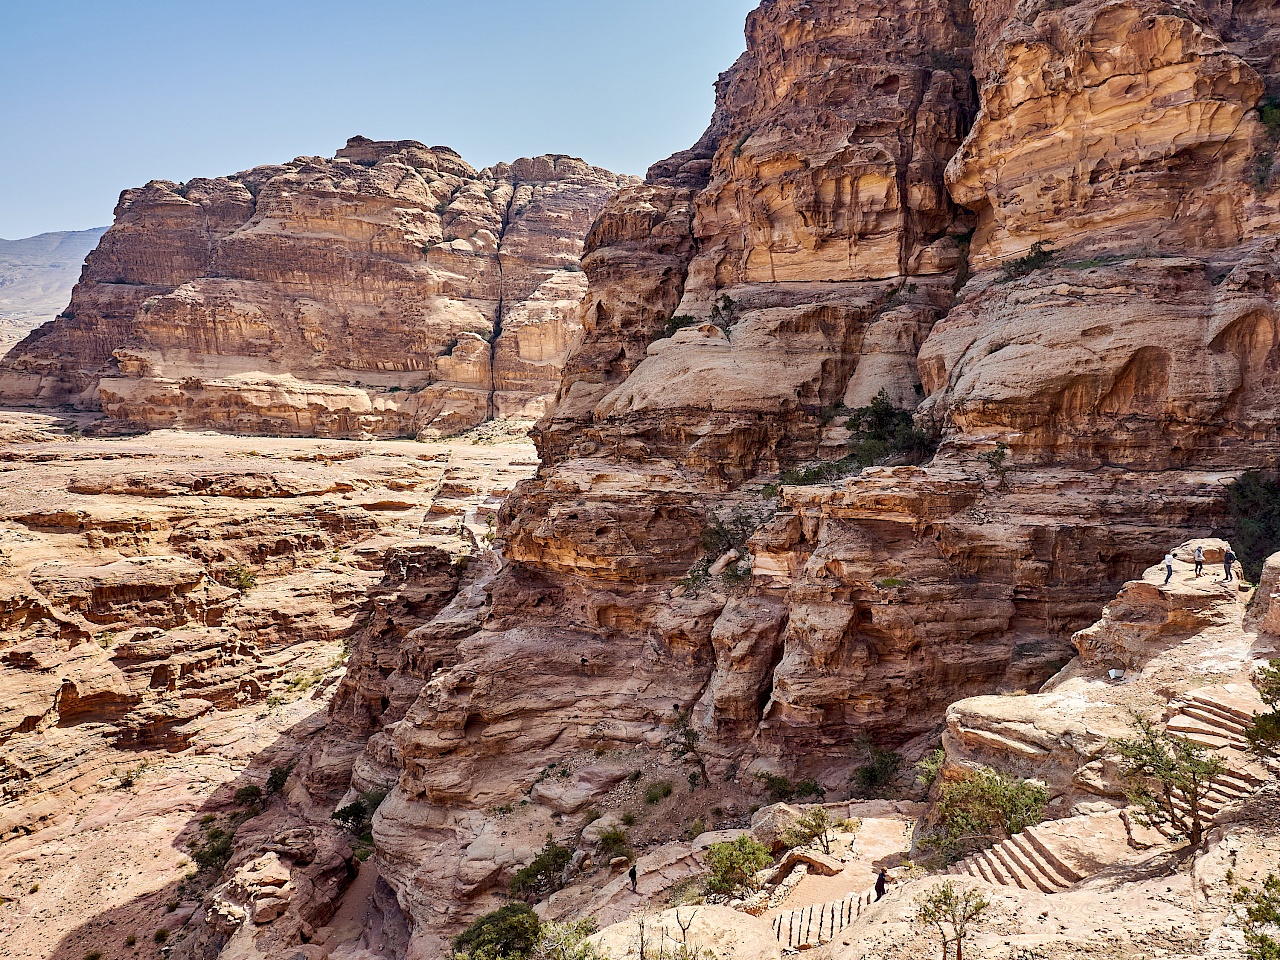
(148, 588)
(855, 220)
(391, 290)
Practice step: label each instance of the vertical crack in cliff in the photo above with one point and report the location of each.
(491, 407)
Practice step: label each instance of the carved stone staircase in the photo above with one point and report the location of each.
(1028, 860)
(1056, 855)
(818, 923)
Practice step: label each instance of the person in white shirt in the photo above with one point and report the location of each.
(1199, 558)
(1168, 565)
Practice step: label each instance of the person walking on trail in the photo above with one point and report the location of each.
(1227, 562)
(1168, 566)
(881, 882)
(632, 875)
(1199, 558)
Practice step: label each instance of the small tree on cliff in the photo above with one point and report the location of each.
(1264, 735)
(735, 863)
(1168, 777)
(949, 909)
(1261, 918)
(811, 827)
(1253, 504)
(508, 933)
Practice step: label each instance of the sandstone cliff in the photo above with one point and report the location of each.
(860, 217)
(391, 290)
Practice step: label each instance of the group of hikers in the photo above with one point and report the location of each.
(1228, 564)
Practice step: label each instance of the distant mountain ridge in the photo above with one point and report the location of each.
(36, 277)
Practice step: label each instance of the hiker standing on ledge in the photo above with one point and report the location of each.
(1199, 558)
(1227, 561)
(881, 882)
(631, 874)
(1168, 566)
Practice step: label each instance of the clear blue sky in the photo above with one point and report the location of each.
(100, 95)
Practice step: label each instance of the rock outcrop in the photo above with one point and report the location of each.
(701, 586)
(856, 220)
(391, 290)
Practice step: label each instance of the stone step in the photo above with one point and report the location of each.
(1239, 714)
(818, 923)
(1016, 859)
(1214, 741)
(1189, 723)
(1047, 869)
(1216, 717)
(998, 871)
(1041, 839)
(1242, 779)
(1016, 876)
(983, 870)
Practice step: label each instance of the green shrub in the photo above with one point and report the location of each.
(724, 312)
(542, 876)
(677, 323)
(734, 864)
(278, 777)
(566, 941)
(950, 906)
(927, 770)
(1261, 907)
(983, 808)
(614, 843)
(782, 790)
(1269, 114)
(242, 577)
(1040, 256)
(1169, 778)
(352, 815)
(873, 778)
(881, 430)
(811, 827)
(1253, 503)
(658, 792)
(824, 472)
(1262, 165)
(249, 796)
(508, 933)
(1264, 734)
(214, 849)
(160, 936)
(628, 819)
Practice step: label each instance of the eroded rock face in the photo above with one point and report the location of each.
(391, 290)
(1107, 123)
(810, 252)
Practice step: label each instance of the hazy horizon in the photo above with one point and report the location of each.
(106, 96)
